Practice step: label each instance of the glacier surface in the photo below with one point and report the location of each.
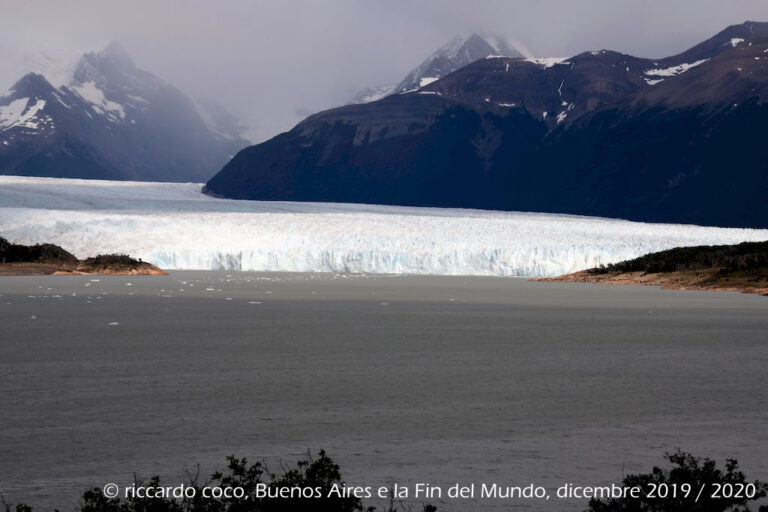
(175, 226)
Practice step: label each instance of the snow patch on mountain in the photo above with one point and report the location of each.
(174, 226)
(675, 70)
(423, 82)
(548, 62)
(92, 94)
(20, 113)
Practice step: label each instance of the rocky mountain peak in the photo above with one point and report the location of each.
(111, 121)
(31, 84)
(113, 62)
(456, 53)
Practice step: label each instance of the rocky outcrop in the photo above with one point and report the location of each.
(16, 259)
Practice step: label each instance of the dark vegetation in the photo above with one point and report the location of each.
(109, 262)
(687, 469)
(322, 473)
(48, 258)
(40, 253)
(742, 259)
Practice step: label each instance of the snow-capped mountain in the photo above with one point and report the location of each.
(457, 53)
(111, 120)
(600, 133)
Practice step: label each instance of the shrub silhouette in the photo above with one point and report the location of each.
(320, 474)
(686, 469)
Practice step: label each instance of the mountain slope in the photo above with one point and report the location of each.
(600, 133)
(111, 121)
(686, 150)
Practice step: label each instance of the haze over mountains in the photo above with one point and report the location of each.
(600, 133)
(457, 53)
(112, 120)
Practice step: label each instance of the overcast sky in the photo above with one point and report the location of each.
(272, 62)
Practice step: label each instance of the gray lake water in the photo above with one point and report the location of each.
(400, 379)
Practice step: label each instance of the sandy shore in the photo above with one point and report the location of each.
(693, 280)
(36, 269)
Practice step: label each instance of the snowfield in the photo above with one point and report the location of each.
(175, 226)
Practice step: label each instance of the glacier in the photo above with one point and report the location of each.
(175, 226)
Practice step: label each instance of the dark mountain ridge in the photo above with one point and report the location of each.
(600, 133)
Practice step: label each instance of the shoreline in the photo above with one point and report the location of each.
(49, 269)
(686, 281)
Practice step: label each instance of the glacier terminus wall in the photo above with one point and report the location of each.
(175, 226)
